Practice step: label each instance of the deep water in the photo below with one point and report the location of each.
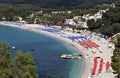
(46, 53)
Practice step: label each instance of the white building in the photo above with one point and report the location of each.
(69, 22)
(20, 18)
(39, 12)
(113, 5)
(58, 12)
(61, 12)
(82, 24)
(77, 17)
(91, 17)
(97, 16)
(87, 17)
(31, 15)
(69, 12)
(3, 18)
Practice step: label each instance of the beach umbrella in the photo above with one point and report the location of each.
(101, 60)
(101, 65)
(107, 65)
(100, 68)
(94, 66)
(95, 60)
(85, 42)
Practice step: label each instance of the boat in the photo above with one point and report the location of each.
(69, 56)
(13, 47)
(66, 56)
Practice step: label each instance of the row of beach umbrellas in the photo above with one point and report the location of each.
(100, 66)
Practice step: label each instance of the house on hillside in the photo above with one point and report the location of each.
(96, 16)
(81, 25)
(70, 22)
(113, 5)
(69, 12)
(99, 14)
(76, 22)
(77, 17)
(87, 17)
(58, 12)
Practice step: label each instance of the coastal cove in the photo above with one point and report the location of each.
(47, 51)
(59, 39)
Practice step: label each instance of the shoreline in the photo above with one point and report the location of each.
(87, 60)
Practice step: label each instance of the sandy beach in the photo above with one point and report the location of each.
(88, 55)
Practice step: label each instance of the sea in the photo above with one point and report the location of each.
(46, 53)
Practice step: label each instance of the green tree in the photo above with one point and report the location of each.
(118, 42)
(16, 66)
(111, 21)
(91, 24)
(116, 28)
(116, 58)
(98, 23)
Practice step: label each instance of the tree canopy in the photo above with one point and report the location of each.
(111, 21)
(116, 58)
(60, 3)
(19, 65)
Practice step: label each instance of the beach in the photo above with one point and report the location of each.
(88, 55)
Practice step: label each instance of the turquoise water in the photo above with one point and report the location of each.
(47, 52)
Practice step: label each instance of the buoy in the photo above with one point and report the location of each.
(32, 49)
(13, 47)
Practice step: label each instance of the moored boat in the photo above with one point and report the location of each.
(69, 56)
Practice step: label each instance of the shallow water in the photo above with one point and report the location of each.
(47, 52)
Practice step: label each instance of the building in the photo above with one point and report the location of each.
(82, 25)
(69, 12)
(77, 17)
(69, 22)
(58, 12)
(97, 16)
(113, 5)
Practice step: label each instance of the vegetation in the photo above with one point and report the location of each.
(16, 66)
(83, 4)
(21, 65)
(110, 23)
(94, 24)
(116, 58)
(11, 12)
(54, 19)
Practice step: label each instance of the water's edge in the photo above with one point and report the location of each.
(76, 65)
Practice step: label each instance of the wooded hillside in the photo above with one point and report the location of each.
(59, 3)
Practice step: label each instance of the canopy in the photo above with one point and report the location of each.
(101, 65)
(94, 66)
(100, 68)
(101, 60)
(95, 60)
(107, 65)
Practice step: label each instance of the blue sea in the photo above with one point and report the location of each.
(46, 54)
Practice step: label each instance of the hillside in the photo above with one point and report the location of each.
(58, 3)
(111, 21)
